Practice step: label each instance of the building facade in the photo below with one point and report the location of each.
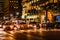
(13, 7)
(44, 9)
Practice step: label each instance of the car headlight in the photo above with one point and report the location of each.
(11, 26)
(15, 28)
(30, 25)
(4, 26)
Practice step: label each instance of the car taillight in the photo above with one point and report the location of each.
(0, 25)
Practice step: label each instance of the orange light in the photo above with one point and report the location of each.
(49, 15)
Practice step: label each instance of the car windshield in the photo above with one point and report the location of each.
(33, 23)
(22, 23)
(8, 23)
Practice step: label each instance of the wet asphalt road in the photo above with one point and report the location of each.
(30, 35)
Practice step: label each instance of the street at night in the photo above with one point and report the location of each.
(42, 34)
(29, 19)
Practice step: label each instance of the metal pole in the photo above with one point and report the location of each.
(46, 15)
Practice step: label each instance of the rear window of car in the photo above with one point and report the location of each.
(22, 23)
(33, 23)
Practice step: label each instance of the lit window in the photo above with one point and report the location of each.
(35, 0)
(16, 1)
(55, 1)
(16, 7)
(55, 7)
(51, 0)
(10, 1)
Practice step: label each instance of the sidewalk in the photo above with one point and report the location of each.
(44, 29)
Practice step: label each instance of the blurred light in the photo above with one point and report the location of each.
(12, 1)
(1, 33)
(22, 21)
(34, 26)
(4, 26)
(23, 17)
(11, 26)
(1, 29)
(0, 25)
(11, 32)
(11, 15)
(22, 25)
(28, 31)
(46, 2)
(33, 1)
(13, 21)
(15, 28)
(49, 15)
(16, 1)
(43, 18)
(17, 13)
(16, 7)
(26, 14)
(55, 6)
(33, 16)
(30, 25)
(21, 31)
(51, 1)
(28, 36)
(55, 1)
(34, 6)
(16, 20)
(4, 17)
(39, 8)
(4, 33)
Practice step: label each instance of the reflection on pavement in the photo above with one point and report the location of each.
(21, 35)
(35, 34)
(5, 36)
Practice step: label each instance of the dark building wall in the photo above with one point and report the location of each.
(20, 6)
(15, 6)
(6, 7)
(1, 8)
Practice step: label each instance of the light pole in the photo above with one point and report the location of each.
(39, 8)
